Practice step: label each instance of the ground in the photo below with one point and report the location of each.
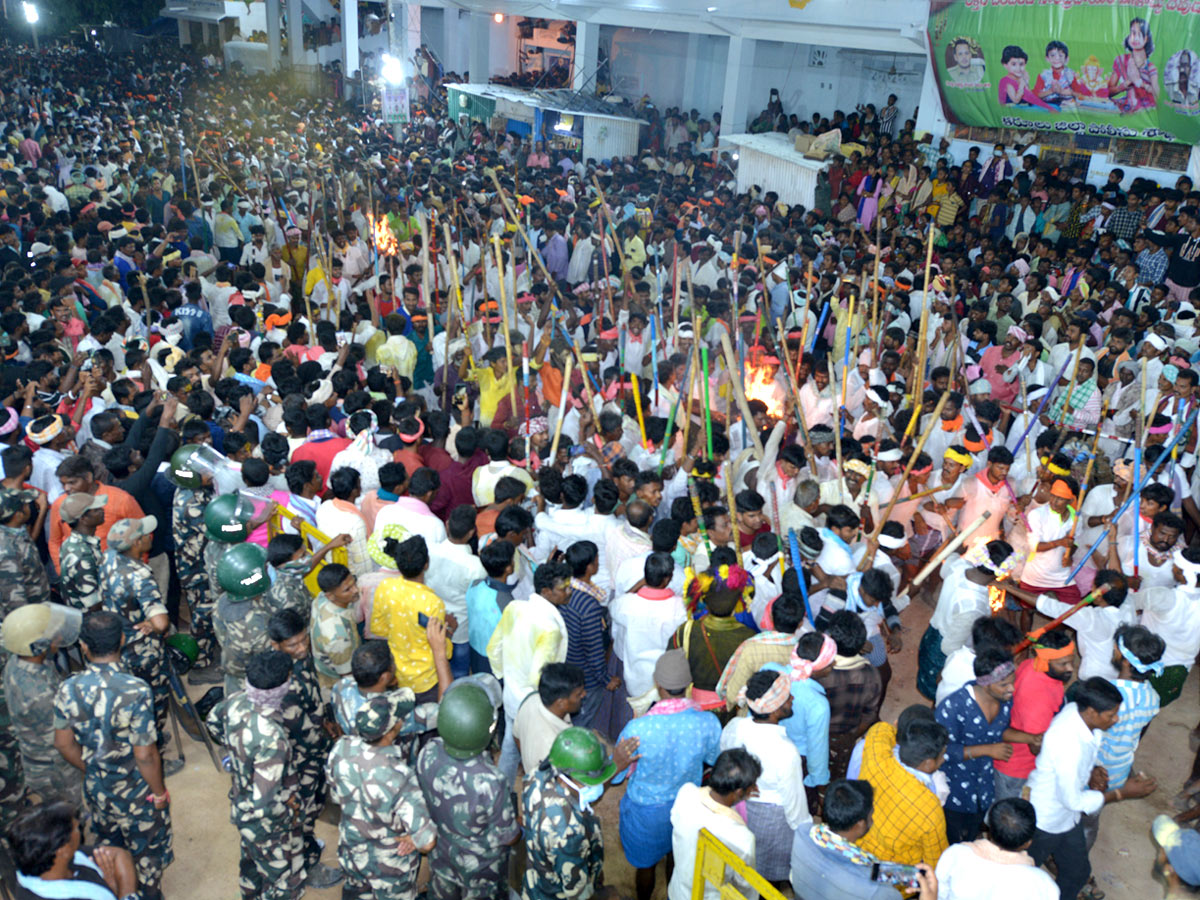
(205, 866)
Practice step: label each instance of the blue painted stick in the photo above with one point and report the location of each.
(1042, 405)
(794, 546)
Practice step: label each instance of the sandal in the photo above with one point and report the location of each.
(1091, 891)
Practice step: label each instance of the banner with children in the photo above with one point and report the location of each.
(1110, 68)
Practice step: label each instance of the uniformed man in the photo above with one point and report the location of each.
(469, 799)
(563, 839)
(385, 823)
(129, 590)
(226, 522)
(240, 620)
(193, 491)
(104, 721)
(80, 557)
(310, 732)
(30, 686)
(264, 796)
(22, 575)
(292, 563)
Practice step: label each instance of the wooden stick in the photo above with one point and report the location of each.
(918, 373)
(1054, 623)
(1025, 405)
(912, 460)
(1083, 491)
(508, 354)
(875, 302)
(1071, 387)
(791, 380)
(837, 431)
(637, 404)
(950, 548)
(729, 499)
(562, 409)
(739, 394)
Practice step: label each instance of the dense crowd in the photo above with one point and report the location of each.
(451, 480)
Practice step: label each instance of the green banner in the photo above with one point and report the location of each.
(1107, 68)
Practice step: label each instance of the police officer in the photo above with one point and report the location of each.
(22, 575)
(385, 823)
(264, 796)
(129, 590)
(563, 839)
(104, 721)
(193, 491)
(240, 619)
(80, 558)
(469, 799)
(310, 732)
(30, 686)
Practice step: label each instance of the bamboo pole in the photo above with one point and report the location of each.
(950, 548)
(739, 394)
(918, 373)
(562, 409)
(508, 354)
(1087, 476)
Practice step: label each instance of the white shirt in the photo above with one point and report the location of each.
(531, 634)
(1058, 783)
(959, 604)
(1045, 569)
(963, 874)
(1094, 628)
(452, 569)
(44, 477)
(641, 627)
(332, 520)
(782, 779)
(558, 529)
(1173, 613)
(692, 810)
(958, 670)
(425, 524)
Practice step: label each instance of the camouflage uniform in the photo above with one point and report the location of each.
(191, 538)
(334, 636)
(110, 712)
(241, 628)
(79, 566)
(380, 800)
(289, 591)
(564, 843)
(346, 700)
(304, 720)
(476, 816)
(12, 778)
(213, 551)
(22, 574)
(129, 590)
(262, 798)
(29, 690)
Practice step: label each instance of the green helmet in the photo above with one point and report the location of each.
(190, 463)
(465, 720)
(579, 755)
(182, 651)
(242, 572)
(227, 519)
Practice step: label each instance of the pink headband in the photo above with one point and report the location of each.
(802, 669)
(774, 698)
(413, 438)
(12, 419)
(610, 335)
(1160, 429)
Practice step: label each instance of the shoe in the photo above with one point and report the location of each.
(213, 674)
(171, 766)
(323, 876)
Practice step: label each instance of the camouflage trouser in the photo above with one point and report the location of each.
(271, 866)
(311, 792)
(202, 606)
(12, 778)
(360, 887)
(53, 779)
(156, 676)
(486, 879)
(122, 817)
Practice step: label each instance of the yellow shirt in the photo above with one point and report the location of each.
(398, 601)
(491, 391)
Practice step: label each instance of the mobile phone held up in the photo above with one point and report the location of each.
(422, 620)
(896, 874)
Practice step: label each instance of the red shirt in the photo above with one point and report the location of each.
(456, 485)
(322, 453)
(1037, 698)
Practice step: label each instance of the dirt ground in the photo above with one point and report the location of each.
(206, 850)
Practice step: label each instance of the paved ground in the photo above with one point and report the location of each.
(206, 852)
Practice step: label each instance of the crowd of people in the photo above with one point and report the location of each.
(451, 480)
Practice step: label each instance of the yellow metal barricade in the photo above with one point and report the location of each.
(313, 540)
(713, 860)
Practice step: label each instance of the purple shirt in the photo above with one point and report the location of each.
(556, 257)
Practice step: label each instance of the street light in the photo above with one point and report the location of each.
(31, 16)
(392, 70)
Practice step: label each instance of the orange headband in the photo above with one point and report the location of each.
(1060, 489)
(1043, 655)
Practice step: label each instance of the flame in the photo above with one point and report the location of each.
(759, 384)
(996, 598)
(385, 241)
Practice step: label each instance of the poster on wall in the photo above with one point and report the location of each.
(1108, 68)
(393, 104)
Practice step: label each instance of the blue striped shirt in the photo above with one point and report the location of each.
(1139, 704)
(587, 633)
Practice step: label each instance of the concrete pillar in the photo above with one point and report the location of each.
(738, 69)
(587, 57)
(455, 40)
(185, 32)
(295, 26)
(349, 38)
(690, 65)
(479, 47)
(274, 34)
